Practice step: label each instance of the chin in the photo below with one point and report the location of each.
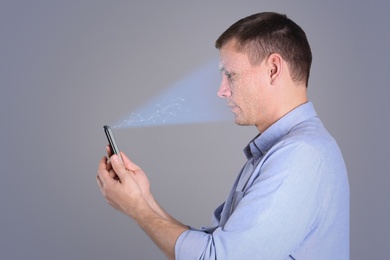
(241, 122)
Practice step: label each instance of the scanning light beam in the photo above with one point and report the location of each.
(191, 100)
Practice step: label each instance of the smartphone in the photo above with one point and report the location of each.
(111, 140)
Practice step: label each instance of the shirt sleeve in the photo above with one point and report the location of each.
(276, 212)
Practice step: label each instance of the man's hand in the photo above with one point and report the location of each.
(119, 185)
(126, 188)
(139, 174)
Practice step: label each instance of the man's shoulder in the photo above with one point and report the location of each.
(310, 133)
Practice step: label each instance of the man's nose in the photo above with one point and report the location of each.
(224, 90)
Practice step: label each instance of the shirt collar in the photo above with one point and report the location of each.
(263, 142)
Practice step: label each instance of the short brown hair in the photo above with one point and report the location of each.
(265, 33)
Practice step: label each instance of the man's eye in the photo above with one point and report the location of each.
(228, 75)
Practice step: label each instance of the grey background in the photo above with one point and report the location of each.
(68, 67)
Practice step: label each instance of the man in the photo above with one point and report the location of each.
(291, 199)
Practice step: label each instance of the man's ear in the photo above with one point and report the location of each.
(275, 67)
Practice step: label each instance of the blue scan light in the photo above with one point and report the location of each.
(191, 100)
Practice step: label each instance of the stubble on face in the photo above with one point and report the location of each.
(242, 83)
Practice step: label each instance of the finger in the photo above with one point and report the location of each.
(109, 166)
(109, 151)
(118, 166)
(103, 172)
(99, 182)
(113, 175)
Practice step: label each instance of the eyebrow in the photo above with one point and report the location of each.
(224, 70)
(228, 74)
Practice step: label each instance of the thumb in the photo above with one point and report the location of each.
(128, 163)
(118, 166)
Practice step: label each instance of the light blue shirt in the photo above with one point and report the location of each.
(290, 201)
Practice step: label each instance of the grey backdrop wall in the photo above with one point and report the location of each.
(68, 67)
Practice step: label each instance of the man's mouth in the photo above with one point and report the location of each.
(232, 106)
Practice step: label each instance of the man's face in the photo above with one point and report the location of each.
(244, 86)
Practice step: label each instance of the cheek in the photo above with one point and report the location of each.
(251, 90)
(254, 97)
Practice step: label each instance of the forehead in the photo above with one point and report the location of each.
(231, 59)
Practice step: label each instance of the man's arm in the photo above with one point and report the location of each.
(131, 195)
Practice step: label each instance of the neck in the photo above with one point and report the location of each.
(284, 103)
